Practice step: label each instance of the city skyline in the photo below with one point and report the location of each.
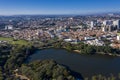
(18, 7)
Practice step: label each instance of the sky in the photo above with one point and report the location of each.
(14, 7)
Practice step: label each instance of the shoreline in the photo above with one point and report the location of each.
(78, 51)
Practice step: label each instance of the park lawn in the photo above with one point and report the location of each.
(6, 39)
(12, 41)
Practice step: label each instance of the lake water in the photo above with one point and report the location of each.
(87, 65)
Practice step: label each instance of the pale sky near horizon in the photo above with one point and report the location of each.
(13, 7)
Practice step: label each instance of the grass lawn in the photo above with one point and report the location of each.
(12, 41)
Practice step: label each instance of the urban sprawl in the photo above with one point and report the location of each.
(90, 29)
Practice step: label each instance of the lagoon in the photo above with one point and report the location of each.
(87, 65)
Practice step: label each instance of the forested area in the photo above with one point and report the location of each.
(46, 70)
(88, 49)
(12, 57)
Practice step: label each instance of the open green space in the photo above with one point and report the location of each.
(13, 41)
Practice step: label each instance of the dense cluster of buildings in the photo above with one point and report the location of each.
(91, 30)
(107, 25)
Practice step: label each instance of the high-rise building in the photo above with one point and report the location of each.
(104, 23)
(107, 22)
(107, 28)
(118, 36)
(117, 24)
(110, 28)
(104, 29)
(93, 23)
(9, 27)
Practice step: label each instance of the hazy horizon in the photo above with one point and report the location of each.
(57, 7)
